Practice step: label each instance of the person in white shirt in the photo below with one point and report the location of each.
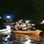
(17, 26)
(28, 25)
(25, 26)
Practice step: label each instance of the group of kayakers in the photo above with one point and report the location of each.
(24, 25)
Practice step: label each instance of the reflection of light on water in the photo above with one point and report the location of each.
(8, 28)
(8, 42)
(6, 38)
(28, 40)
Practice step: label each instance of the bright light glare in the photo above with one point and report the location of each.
(28, 40)
(42, 22)
(8, 17)
(8, 27)
(0, 17)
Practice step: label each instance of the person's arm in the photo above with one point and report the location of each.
(24, 25)
(33, 24)
(13, 27)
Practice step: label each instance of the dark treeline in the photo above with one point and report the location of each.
(26, 9)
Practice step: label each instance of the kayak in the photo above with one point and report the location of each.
(27, 32)
(5, 32)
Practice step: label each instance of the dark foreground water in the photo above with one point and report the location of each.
(23, 39)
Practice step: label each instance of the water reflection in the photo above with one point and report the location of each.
(6, 38)
(30, 40)
(24, 39)
(8, 42)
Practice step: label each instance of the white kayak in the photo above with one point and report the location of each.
(6, 31)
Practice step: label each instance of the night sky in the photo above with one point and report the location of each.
(26, 9)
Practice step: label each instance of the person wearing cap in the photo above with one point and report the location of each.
(24, 26)
(28, 24)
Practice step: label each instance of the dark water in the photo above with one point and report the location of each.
(22, 39)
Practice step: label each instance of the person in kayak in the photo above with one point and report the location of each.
(33, 27)
(17, 26)
(24, 26)
(28, 24)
